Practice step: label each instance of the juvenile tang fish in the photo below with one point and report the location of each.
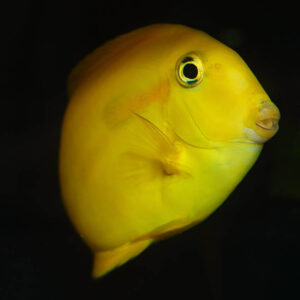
(163, 123)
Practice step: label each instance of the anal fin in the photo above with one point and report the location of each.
(106, 261)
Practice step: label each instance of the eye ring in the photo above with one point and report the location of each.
(189, 70)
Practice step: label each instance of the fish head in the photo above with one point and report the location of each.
(215, 97)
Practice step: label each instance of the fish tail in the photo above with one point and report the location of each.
(106, 261)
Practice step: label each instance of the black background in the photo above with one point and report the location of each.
(248, 249)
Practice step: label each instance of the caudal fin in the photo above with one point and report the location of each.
(105, 261)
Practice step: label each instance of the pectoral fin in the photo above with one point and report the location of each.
(149, 144)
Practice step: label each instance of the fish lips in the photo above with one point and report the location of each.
(266, 125)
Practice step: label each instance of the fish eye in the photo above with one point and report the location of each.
(189, 70)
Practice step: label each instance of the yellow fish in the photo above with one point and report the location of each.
(163, 123)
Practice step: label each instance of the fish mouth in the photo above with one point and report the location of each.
(265, 125)
(268, 117)
(268, 124)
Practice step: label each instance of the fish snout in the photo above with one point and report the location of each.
(266, 123)
(268, 117)
(267, 120)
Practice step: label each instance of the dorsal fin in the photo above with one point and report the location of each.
(114, 49)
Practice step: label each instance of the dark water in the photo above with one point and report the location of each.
(248, 249)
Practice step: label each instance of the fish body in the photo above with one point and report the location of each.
(162, 124)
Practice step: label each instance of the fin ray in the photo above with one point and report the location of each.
(151, 144)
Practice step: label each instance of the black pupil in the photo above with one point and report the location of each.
(190, 71)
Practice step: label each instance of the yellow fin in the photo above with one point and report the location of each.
(116, 50)
(172, 228)
(166, 230)
(106, 261)
(150, 143)
(156, 142)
